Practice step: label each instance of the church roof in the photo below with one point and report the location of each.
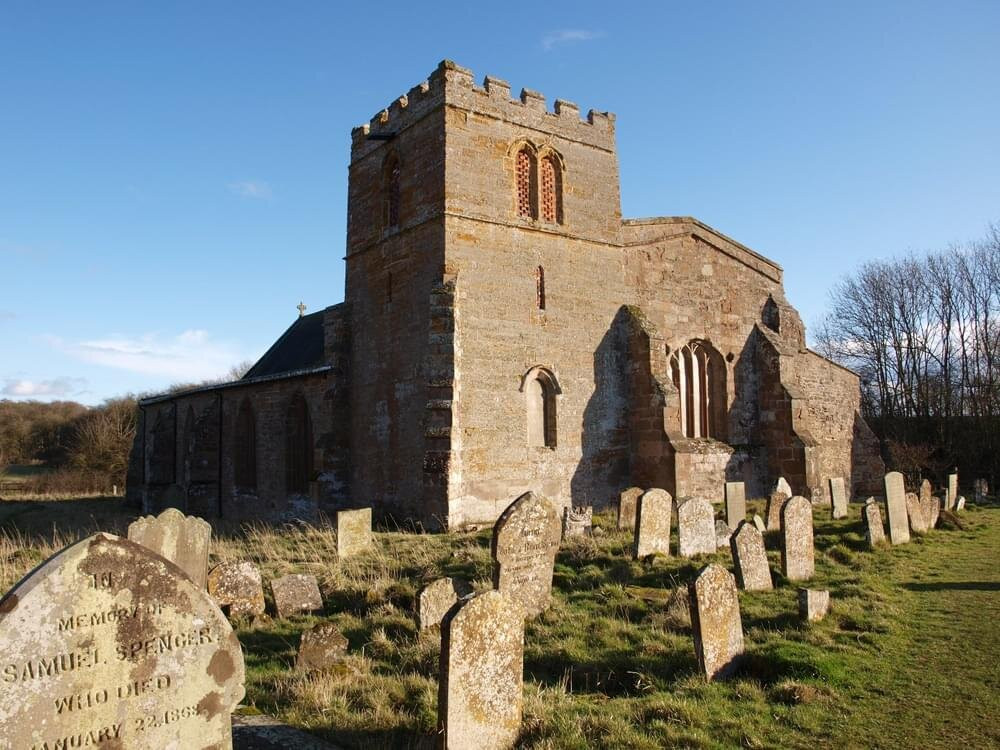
(300, 347)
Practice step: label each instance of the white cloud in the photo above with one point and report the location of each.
(567, 36)
(55, 388)
(257, 189)
(189, 356)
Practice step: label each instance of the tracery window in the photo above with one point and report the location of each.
(298, 446)
(245, 453)
(526, 178)
(699, 374)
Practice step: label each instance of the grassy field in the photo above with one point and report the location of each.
(908, 658)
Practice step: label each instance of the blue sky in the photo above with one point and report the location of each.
(173, 175)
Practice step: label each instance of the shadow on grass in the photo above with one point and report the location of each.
(954, 586)
(616, 674)
(40, 520)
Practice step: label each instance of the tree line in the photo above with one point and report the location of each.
(923, 333)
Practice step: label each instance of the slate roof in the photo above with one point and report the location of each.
(300, 347)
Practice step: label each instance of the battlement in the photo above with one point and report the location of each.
(452, 85)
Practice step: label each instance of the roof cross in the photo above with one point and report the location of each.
(301, 308)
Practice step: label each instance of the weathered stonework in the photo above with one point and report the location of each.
(797, 552)
(750, 558)
(915, 513)
(436, 598)
(652, 528)
(628, 505)
(321, 647)
(773, 512)
(525, 542)
(952, 497)
(838, 497)
(107, 644)
(695, 528)
(895, 506)
(184, 540)
(813, 604)
(578, 521)
(716, 622)
(736, 503)
(354, 532)
(237, 589)
(872, 517)
(296, 594)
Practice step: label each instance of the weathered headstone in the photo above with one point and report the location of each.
(695, 528)
(652, 526)
(628, 505)
(108, 644)
(872, 517)
(750, 558)
(524, 546)
(578, 521)
(736, 503)
(722, 533)
(960, 504)
(797, 553)
(952, 490)
(926, 491)
(296, 594)
(935, 506)
(759, 523)
(838, 497)
(813, 604)
(716, 622)
(915, 512)
(321, 647)
(981, 488)
(774, 503)
(354, 531)
(184, 540)
(927, 508)
(895, 506)
(237, 589)
(783, 487)
(437, 597)
(481, 688)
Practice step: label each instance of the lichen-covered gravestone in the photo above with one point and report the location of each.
(813, 604)
(895, 507)
(838, 497)
(525, 542)
(935, 511)
(926, 491)
(915, 512)
(628, 506)
(782, 487)
(481, 687)
(107, 644)
(722, 533)
(872, 517)
(184, 540)
(354, 532)
(773, 513)
(736, 503)
(716, 622)
(321, 647)
(750, 558)
(695, 528)
(437, 597)
(652, 526)
(296, 594)
(578, 521)
(237, 588)
(797, 553)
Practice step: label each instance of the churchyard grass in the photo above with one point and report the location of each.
(908, 656)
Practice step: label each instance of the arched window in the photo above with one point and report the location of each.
(551, 190)
(298, 446)
(540, 390)
(699, 374)
(245, 453)
(390, 192)
(527, 200)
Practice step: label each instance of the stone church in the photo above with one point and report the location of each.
(504, 329)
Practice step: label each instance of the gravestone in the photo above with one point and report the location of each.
(481, 688)
(715, 622)
(960, 504)
(782, 487)
(895, 506)
(108, 644)
(524, 546)
(184, 540)
(578, 521)
(952, 490)
(354, 532)
(439, 596)
(652, 527)
(926, 491)
(915, 512)
(296, 594)
(838, 497)
(321, 647)
(750, 558)
(695, 528)
(935, 506)
(628, 504)
(981, 488)
(813, 605)
(774, 503)
(722, 533)
(736, 504)
(759, 523)
(872, 517)
(797, 553)
(237, 589)
(927, 507)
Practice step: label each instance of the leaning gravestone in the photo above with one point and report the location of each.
(578, 521)
(774, 503)
(759, 523)
(108, 644)
(736, 503)
(524, 546)
(915, 512)
(952, 490)
(783, 487)
(322, 646)
(652, 526)
(838, 497)
(750, 559)
(872, 516)
(296, 594)
(895, 506)
(715, 622)
(481, 688)
(935, 508)
(797, 553)
(237, 588)
(182, 539)
(695, 528)
(960, 504)
(354, 532)
(437, 598)
(628, 505)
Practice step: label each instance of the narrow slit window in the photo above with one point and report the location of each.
(540, 287)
